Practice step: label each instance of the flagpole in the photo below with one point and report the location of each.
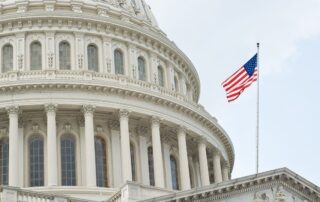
(258, 107)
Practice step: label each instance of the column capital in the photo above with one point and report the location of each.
(225, 164)
(114, 124)
(182, 129)
(51, 107)
(88, 109)
(123, 113)
(13, 110)
(201, 140)
(155, 120)
(216, 152)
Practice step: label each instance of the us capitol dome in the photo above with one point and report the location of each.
(97, 104)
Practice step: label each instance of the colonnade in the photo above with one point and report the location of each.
(221, 171)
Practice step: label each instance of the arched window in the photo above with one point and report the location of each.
(4, 161)
(174, 173)
(151, 169)
(7, 58)
(101, 162)
(35, 56)
(133, 162)
(142, 69)
(176, 84)
(93, 60)
(160, 76)
(64, 55)
(36, 161)
(118, 62)
(68, 160)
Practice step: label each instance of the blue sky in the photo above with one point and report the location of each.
(219, 36)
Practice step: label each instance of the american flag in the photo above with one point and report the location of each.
(241, 79)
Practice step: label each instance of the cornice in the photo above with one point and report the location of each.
(221, 191)
(30, 81)
(130, 31)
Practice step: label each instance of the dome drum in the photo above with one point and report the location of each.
(93, 94)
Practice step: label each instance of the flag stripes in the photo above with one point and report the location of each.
(240, 80)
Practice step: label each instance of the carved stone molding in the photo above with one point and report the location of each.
(35, 127)
(51, 107)
(99, 129)
(13, 110)
(67, 127)
(155, 121)
(114, 124)
(88, 109)
(123, 113)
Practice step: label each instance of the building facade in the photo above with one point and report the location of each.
(97, 104)
(94, 95)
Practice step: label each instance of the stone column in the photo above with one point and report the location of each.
(52, 160)
(20, 51)
(203, 161)
(13, 112)
(125, 146)
(183, 159)
(79, 52)
(88, 111)
(157, 153)
(107, 47)
(50, 53)
(225, 171)
(217, 167)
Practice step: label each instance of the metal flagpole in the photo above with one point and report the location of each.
(258, 107)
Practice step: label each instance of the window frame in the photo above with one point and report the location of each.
(40, 56)
(3, 57)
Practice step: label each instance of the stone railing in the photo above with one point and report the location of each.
(91, 77)
(13, 194)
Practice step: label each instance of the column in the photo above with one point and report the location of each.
(88, 111)
(133, 62)
(154, 68)
(50, 53)
(183, 159)
(13, 113)
(157, 153)
(170, 77)
(52, 160)
(20, 41)
(116, 153)
(79, 51)
(21, 152)
(107, 49)
(217, 167)
(203, 161)
(225, 171)
(125, 146)
(144, 159)
(82, 151)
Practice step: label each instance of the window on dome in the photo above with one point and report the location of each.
(101, 162)
(93, 60)
(64, 55)
(133, 162)
(7, 58)
(160, 76)
(36, 161)
(35, 56)
(4, 161)
(142, 69)
(151, 169)
(118, 62)
(68, 161)
(174, 173)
